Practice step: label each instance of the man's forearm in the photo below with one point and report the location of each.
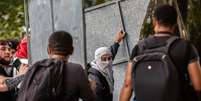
(125, 94)
(11, 83)
(126, 91)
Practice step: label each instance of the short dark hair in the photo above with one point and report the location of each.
(61, 43)
(13, 43)
(3, 42)
(166, 15)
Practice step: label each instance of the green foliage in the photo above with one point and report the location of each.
(147, 29)
(194, 23)
(100, 1)
(89, 3)
(11, 19)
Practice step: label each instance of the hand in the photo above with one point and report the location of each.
(119, 36)
(3, 86)
(23, 69)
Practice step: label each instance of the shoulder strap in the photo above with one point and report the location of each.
(170, 42)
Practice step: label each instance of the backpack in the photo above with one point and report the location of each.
(43, 82)
(155, 77)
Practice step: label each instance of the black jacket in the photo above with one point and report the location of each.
(102, 87)
(102, 90)
(9, 95)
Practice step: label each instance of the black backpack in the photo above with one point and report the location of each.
(43, 82)
(155, 77)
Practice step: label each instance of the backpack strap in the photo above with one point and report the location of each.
(170, 42)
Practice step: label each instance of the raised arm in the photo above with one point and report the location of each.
(114, 48)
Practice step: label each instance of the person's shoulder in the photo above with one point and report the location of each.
(43, 63)
(183, 42)
(144, 41)
(75, 67)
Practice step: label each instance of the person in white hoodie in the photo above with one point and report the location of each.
(100, 72)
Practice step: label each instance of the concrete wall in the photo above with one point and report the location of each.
(47, 16)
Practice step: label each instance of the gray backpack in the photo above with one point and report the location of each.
(154, 74)
(43, 81)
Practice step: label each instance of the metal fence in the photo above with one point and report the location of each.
(91, 28)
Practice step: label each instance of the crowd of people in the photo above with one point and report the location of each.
(12, 70)
(162, 67)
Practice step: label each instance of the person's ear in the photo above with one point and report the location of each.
(157, 23)
(72, 50)
(153, 21)
(173, 28)
(49, 51)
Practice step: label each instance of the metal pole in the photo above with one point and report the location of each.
(52, 15)
(84, 36)
(124, 28)
(27, 25)
(26, 15)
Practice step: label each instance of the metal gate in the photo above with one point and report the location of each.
(91, 28)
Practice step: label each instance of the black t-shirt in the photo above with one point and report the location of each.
(77, 84)
(182, 53)
(5, 96)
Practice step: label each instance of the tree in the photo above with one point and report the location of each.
(194, 23)
(11, 18)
